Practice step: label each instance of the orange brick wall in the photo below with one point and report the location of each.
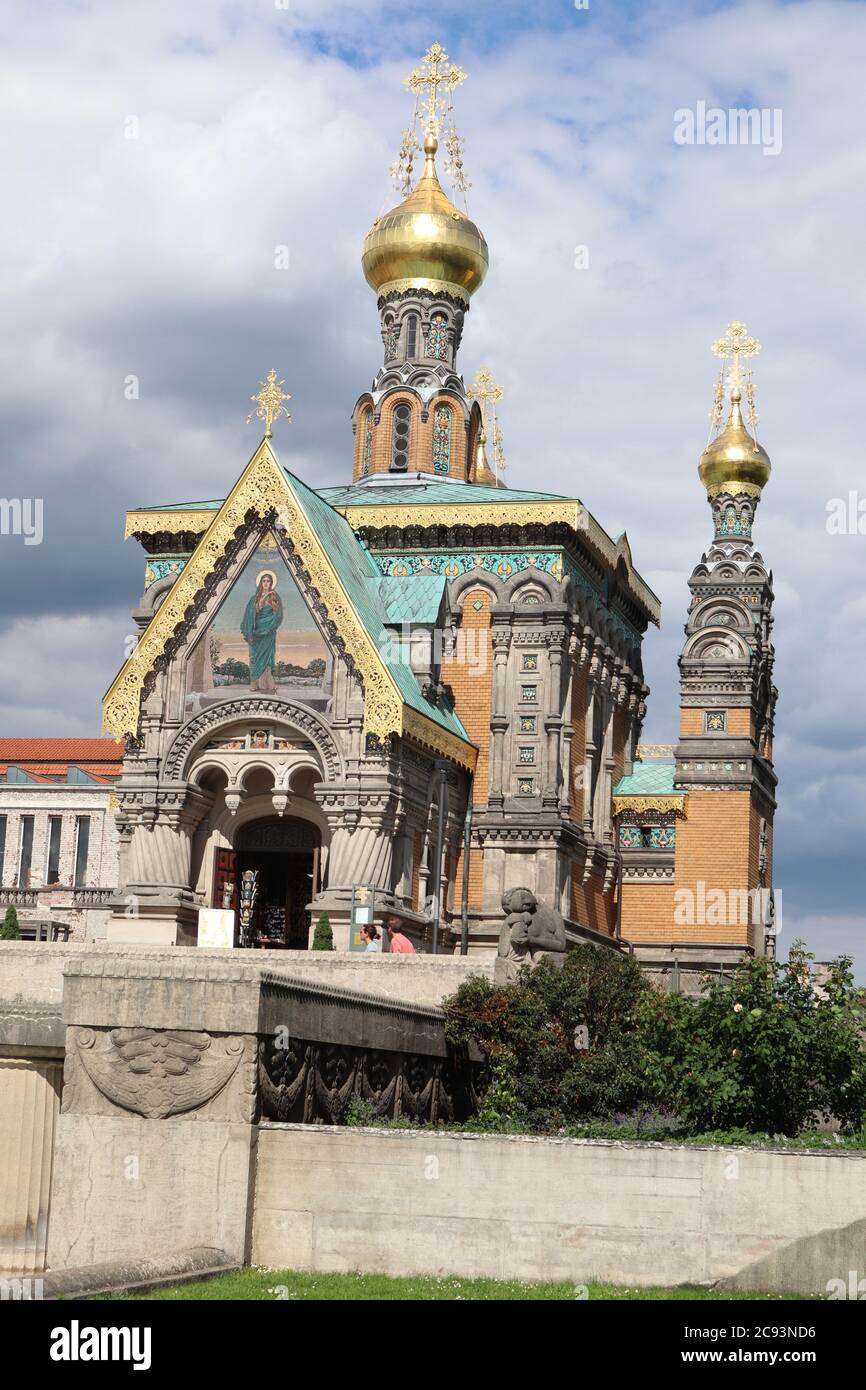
(739, 722)
(420, 437)
(648, 912)
(470, 676)
(476, 876)
(713, 848)
(590, 907)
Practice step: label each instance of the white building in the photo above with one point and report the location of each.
(58, 838)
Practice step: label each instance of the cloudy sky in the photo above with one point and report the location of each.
(153, 159)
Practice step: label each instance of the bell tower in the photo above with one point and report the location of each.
(425, 258)
(724, 758)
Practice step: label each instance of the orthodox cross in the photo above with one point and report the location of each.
(487, 392)
(432, 84)
(270, 402)
(424, 82)
(735, 344)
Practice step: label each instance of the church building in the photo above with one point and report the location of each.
(422, 688)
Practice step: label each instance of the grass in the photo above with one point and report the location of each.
(268, 1285)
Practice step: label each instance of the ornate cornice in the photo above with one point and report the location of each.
(438, 740)
(171, 521)
(651, 803)
(231, 710)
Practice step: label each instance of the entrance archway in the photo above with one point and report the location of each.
(285, 854)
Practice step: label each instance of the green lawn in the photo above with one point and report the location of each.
(268, 1285)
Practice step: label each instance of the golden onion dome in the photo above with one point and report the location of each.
(734, 462)
(426, 242)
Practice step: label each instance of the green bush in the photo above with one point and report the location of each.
(763, 1051)
(535, 1075)
(10, 931)
(323, 937)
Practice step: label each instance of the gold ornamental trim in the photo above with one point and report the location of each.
(172, 523)
(651, 803)
(648, 751)
(477, 514)
(735, 488)
(419, 282)
(438, 740)
(569, 513)
(261, 487)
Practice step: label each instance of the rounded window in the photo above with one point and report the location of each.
(400, 441)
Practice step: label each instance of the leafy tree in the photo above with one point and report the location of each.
(766, 1051)
(323, 937)
(560, 1044)
(10, 931)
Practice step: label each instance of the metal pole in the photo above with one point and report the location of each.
(442, 769)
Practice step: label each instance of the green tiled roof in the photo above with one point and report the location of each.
(428, 494)
(411, 599)
(356, 569)
(649, 779)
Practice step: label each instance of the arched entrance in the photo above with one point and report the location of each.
(284, 852)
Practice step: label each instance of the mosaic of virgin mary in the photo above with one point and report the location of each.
(262, 617)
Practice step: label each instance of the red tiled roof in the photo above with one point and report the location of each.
(48, 760)
(60, 750)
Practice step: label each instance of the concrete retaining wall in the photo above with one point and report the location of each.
(402, 1202)
(31, 978)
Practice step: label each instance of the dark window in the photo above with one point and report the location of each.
(26, 858)
(400, 441)
(82, 844)
(54, 828)
(411, 335)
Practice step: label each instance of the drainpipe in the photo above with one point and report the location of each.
(467, 840)
(442, 771)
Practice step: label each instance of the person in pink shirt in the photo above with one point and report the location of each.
(400, 944)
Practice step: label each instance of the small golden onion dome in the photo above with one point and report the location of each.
(734, 462)
(483, 472)
(426, 242)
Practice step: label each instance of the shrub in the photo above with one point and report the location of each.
(323, 937)
(763, 1051)
(10, 931)
(536, 1076)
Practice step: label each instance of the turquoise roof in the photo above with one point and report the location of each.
(411, 598)
(649, 779)
(429, 493)
(363, 582)
(384, 494)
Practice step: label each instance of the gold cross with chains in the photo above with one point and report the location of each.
(487, 392)
(270, 402)
(734, 346)
(433, 73)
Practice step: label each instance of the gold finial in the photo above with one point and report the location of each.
(487, 392)
(270, 402)
(432, 84)
(733, 461)
(735, 344)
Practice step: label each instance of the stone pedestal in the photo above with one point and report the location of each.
(155, 1143)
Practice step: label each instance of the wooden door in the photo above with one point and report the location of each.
(225, 874)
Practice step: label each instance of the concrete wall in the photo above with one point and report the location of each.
(402, 1202)
(31, 977)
